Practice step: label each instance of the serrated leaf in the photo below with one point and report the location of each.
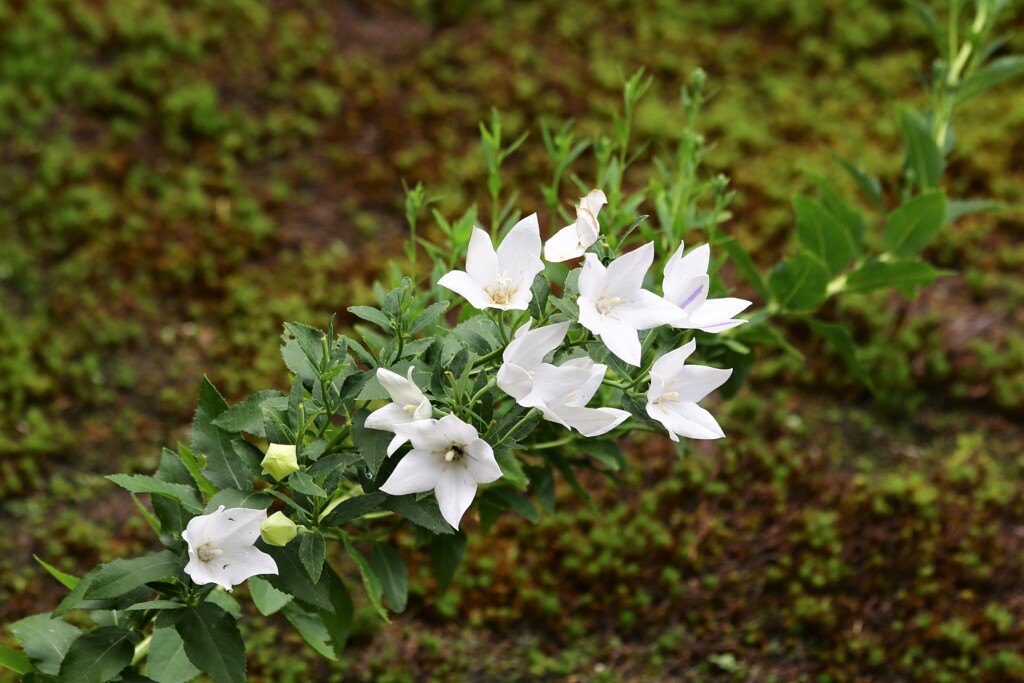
(428, 316)
(67, 580)
(267, 599)
(511, 469)
(140, 483)
(224, 468)
(300, 482)
(293, 579)
(312, 551)
(352, 508)
(167, 661)
(374, 591)
(15, 661)
(247, 416)
(423, 512)
(390, 568)
(445, 555)
(44, 640)
(97, 656)
(233, 498)
(912, 225)
(212, 642)
(120, 576)
(374, 316)
(294, 354)
(904, 276)
(799, 282)
(540, 291)
(372, 443)
(310, 625)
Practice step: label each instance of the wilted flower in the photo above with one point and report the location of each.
(410, 404)
(220, 547)
(280, 460)
(502, 278)
(449, 457)
(573, 240)
(686, 285)
(675, 390)
(614, 305)
(278, 530)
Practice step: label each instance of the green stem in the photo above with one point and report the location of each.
(530, 414)
(142, 649)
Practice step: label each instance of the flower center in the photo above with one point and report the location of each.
(454, 452)
(501, 290)
(605, 305)
(667, 397)
(410, 408)
(206, 552)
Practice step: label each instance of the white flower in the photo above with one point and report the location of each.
(561, 393)
(686, 285)
(502, 278)
(614, 305)
(220, 547)
(409, 405)
(449, 457)
(675, 390)
(571, 241)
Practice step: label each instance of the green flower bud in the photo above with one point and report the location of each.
(280, 461)
(278, 530)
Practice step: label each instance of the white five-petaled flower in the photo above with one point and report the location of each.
(449, 457)
(686, 285)
(410, 404)
(675, 390)
(221, 550)
(562, 392)
(502, 278)
(614, 305)
(573, 240)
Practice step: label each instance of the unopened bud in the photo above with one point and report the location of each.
(278, 529)
(280, 461)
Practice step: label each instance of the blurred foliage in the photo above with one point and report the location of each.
(178, 178)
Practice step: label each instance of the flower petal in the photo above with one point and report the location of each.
(592, 421)
(564, 245)
(717, 314)
(626, 273)
(468, 288)
(456, 431)
(479, 460)
(668, 365)
(387, 417)
(582, 395)
(203, 573)
(528, 348)
(694, 382)
(593, 280)
(553, 384)
(519, 253)
(417, 472)
(481, 259)
(395, 444)
(593, 202)
(680, 269)
(514, 381)
(455, 491)
(692, 421)
(587, 227)
(620, 337)
(688, 295)
(239, 563)
(425, 435)
(644, 310)
(658, 412)
(403, 390)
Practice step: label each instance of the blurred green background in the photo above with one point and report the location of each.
(179, 178)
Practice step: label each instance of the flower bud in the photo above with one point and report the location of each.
(278, 530)
(280, 461)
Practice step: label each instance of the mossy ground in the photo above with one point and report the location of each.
(180, 179)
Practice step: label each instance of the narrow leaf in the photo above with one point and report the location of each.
(371, 582)
(445, 555)
(120, 576)
(390, 568)
(67, 580)
(914, 224)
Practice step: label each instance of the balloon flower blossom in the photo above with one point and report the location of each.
(221, 550)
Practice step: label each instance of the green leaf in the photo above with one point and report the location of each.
(212, 642)
(352, 508)
(428, 316)
(302, 351)
(494, 501)
(156, 605)
(371, 583)
(120, 576)
(372, 443)
(312, 551)
(913, 224)
(310, 625)
(868, 183)
(268, 599)
(192, 464)
(921, 154)
(904, 276)
(445, 555)
(45, 640)
(224, 467)
(540, 290)
(67, 580)
(799, 282)
(997, 71)
(300, 482)
(233, 498)
(172, 514)
(167, 662)
(97, 656)
(958, 208)
(374, 316)
(927, 17)
(739, 256)
(512, 469)
(293, 579)
(15, 661)
(141, 483)
(822, 234)
(339, 618)
(247, 416)
(390, 568)
(842, 341)
(607, 452)
(423, 512)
